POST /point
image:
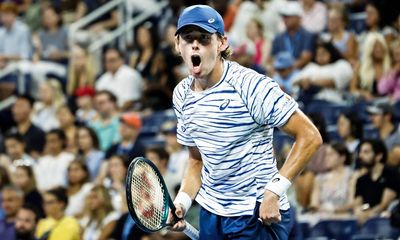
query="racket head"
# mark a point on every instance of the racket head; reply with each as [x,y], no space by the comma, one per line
[147,195]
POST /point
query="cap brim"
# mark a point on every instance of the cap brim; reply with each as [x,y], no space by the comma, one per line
[200,25]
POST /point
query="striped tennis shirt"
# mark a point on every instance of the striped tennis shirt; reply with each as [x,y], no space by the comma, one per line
[232,126]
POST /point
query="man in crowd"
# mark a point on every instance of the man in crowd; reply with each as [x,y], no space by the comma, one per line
[12,200]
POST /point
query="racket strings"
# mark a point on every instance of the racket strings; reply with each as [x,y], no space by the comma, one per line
[148,197]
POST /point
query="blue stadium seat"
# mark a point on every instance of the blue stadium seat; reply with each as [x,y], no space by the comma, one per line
[363,237]
[380,228]
[280,139]
[335,229]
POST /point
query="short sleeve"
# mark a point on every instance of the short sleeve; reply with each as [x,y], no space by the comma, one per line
[268,104]
[181,134]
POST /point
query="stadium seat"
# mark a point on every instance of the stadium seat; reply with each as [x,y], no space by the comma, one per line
[330,111]
[363,237]
[380,228]
[335,229]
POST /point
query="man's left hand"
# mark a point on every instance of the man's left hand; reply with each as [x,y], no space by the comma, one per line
[269,208]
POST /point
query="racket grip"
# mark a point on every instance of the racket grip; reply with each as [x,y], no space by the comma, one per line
[191,232]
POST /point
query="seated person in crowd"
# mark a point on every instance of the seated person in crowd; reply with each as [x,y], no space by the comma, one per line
[15,151]
[26,222]
[285,72]
[376,189]
[11,201]
[326,78]
[295,39]
[56,225]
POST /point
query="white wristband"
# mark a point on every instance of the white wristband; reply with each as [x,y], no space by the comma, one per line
[278,185]
[184,199]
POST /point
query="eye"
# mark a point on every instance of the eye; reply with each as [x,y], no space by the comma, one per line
[188,38]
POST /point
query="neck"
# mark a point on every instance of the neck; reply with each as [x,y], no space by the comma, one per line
[58,216]
[52,29]
[386,129]
[376,171]
[24,125]
[293,30]
[74,188]
[201,84]
[55,153]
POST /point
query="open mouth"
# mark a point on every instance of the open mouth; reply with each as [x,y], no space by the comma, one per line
[196,60]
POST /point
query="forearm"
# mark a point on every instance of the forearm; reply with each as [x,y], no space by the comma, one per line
[324,83]
[191,182]
[307,142]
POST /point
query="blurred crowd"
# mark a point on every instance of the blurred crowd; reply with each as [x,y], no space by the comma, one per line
[72,120]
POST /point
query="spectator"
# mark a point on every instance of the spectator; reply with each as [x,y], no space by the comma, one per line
[120,79]
[106,124]
[51,98]
[12,199]
[26,222]
[51,170]
[33,136]
[345,41]
[51,46]
[78,188]
[115,180]
[88,149]
[15,149]
[375,62]
[24,178]
[178,154]
[56,225]
[331,190]
[81,72]
[142,59]
[382,119]
[295,39]
[258,42]
[314,15]
[67,123]
[15,36]
[129,146]
[4,181]
[376,189]
[125,229]
[160,157]
[285,72]
[100,218]
[350,130]
[389,84]
[84,101]
[326,78]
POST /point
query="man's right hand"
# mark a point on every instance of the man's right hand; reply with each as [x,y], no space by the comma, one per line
[175,225]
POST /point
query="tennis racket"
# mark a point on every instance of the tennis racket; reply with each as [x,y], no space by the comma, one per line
[148,199]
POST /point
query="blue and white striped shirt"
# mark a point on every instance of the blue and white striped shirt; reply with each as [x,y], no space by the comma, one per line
[232,126]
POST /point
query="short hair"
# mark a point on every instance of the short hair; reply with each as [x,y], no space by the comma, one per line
[9,6]
[27,98]
[160,151]
[32,208]
[60,134]
[111,96]
[378,146]
[60,193]
[15,136]
[112,48]
[15,189]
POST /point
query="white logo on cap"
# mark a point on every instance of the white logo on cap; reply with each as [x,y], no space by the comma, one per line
[211,20]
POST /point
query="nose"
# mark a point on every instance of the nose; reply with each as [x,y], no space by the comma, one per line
[195,44]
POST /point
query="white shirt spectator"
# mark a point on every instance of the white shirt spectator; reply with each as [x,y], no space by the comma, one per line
[51,171]
[76,202]
[340,72]
[126,84]
[314,20]
[93,230]
[45,117]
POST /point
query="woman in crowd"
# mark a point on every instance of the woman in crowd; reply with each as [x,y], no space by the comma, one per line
[81,72]
[326,78]
[24,178]
[375,62]
[350,130]
[345,41]
[389,84]
[261,46]
[115,181]
[56,225]
[51,98]
[78,187]
[100,218]
[67,123]
[88,149]
[331,190]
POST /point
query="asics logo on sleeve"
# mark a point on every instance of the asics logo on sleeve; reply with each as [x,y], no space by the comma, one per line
[224,104]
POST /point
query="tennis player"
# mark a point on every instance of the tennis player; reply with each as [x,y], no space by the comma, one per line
[226,116]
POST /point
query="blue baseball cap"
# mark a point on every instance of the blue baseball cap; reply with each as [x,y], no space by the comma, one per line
[202,16]
[283,60]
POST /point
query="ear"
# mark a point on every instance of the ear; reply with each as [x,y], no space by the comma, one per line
[223,43]
[177,45]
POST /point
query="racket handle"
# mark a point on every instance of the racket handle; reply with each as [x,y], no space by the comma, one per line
[191,232]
